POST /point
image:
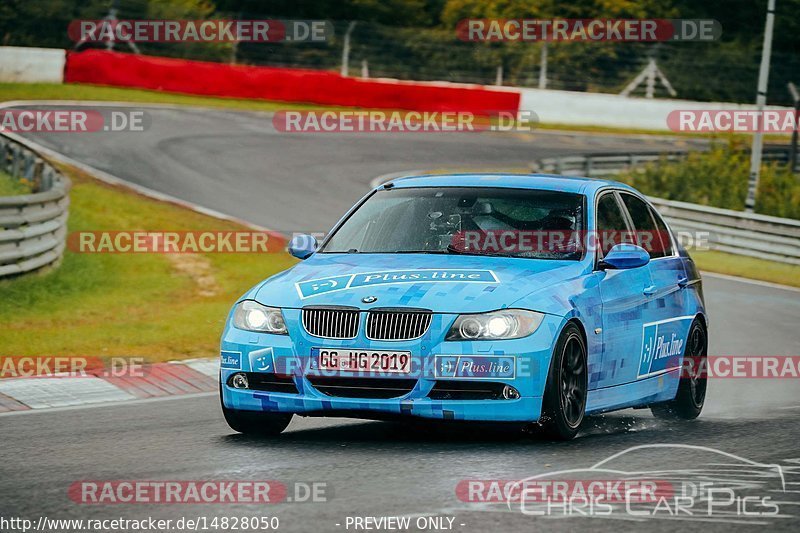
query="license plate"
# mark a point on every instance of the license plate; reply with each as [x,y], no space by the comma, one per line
[363,360]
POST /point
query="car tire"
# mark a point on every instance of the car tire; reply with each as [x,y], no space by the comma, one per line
[564,403]
[255,423]
[691,395]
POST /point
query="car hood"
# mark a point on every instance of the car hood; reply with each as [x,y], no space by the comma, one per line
[441,283]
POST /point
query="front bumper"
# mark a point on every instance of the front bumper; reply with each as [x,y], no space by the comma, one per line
[244,351]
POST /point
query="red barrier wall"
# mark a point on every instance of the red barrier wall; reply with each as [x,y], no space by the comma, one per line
[283,84]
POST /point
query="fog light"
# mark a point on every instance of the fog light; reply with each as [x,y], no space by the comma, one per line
[239,381]
[510,393]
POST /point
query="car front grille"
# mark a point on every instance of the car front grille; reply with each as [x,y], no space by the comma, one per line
[384,324]
[397,324]
[331,322]
[372,388]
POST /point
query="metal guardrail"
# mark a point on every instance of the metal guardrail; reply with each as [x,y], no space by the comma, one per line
[735,232]
[33,227]
[726,230]
[595,165]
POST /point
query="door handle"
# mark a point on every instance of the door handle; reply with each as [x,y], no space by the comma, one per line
[649,291]
[683,282]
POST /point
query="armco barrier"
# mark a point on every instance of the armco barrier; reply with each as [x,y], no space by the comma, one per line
[762,236]
[282,84]
[599,165]
[33,227]
[594,165]
[766,237]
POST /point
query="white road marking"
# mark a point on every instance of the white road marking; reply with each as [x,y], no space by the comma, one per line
[112,404]
[55,393]
[209,367]
[43,393]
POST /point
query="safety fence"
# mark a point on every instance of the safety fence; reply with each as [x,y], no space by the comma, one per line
[33,227]
[598,165]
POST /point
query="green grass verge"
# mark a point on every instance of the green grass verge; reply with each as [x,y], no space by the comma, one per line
[76,91]
[747,267]
[12,186]
[157,306]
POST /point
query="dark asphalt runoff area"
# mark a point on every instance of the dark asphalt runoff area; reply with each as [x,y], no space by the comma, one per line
[238,164]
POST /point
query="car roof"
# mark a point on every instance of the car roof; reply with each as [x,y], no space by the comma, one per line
[547,182]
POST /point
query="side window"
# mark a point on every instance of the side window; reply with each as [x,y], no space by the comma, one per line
[612,228]
[647,236]
[663,233]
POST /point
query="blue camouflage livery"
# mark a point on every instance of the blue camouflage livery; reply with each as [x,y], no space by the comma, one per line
[635,322]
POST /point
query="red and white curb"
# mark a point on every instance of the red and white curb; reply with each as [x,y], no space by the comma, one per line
[156,380]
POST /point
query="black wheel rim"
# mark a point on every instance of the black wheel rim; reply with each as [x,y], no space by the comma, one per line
[696,349]
[572,379]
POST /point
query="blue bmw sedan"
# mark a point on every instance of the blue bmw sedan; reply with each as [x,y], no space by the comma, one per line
[484,297]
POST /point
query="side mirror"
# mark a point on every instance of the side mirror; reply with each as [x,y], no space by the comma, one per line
[624,256]
[302,245]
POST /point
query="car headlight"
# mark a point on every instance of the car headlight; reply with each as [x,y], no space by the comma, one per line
[504,324]
[252,316]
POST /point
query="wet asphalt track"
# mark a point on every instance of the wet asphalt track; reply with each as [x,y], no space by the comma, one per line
[238,164]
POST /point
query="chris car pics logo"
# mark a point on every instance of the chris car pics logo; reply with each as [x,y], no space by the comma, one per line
[314,287]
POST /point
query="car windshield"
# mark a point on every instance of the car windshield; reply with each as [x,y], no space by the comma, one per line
[464,220]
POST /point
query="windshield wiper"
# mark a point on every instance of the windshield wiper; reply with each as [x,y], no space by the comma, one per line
[420,252]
